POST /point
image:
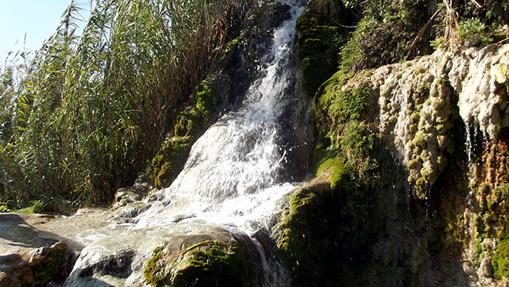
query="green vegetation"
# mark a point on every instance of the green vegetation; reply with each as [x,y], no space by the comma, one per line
[4,207]
[392,31]
[189,124]
[36,206]
[326,233]
[87,113]
[336,168]
[472,32]
[320,36]
[492,222]
[500,259]
[387,32]
[343,125]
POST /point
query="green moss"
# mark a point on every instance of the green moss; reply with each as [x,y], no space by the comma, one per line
[300,247]
[153,268]
[419,139]
[188,125]
[206,264]
[472,32]
[4,208]
[166,165]
[328,229]
[336,168]
[36,206]
[318,41]
[492,222]
[344,105]
[195,117]
[342,118]
[500,259]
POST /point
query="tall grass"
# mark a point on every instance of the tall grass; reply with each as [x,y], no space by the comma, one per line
[90,111]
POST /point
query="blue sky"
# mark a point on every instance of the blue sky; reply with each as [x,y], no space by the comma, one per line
[37,18]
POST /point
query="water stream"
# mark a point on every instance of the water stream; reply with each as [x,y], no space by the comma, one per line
[233,174]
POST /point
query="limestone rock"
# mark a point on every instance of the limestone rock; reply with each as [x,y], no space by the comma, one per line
[37,267]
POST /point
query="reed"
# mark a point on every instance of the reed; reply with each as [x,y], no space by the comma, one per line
[90,110]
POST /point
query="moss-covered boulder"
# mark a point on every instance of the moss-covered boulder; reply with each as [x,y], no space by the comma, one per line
[187,253]
[205,264]
[328,226]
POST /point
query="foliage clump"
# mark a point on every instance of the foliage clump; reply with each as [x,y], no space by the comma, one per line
[472,32]
[391,31]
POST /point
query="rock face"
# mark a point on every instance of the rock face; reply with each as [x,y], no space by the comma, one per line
[185,254]
[416,157]
[417,104]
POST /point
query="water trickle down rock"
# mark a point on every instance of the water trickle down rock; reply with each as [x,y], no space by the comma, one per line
[416,115]
[417,105]
[483,91]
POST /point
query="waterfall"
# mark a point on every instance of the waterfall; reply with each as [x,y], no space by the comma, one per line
[233,181]
[233,175]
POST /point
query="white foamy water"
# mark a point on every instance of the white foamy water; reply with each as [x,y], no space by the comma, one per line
[233,174]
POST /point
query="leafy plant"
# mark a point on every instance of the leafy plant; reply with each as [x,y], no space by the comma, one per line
[472,32]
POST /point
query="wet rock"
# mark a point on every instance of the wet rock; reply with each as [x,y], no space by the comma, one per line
[182,254]
[303,236]
[126,195]
[486,268]
[37,267]
[129,212]
[197,261]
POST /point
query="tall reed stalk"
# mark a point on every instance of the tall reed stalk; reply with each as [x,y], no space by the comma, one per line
[91,110]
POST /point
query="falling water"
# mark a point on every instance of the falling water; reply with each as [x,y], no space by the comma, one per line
[233,175]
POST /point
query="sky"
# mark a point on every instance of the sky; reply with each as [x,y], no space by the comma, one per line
[35,18]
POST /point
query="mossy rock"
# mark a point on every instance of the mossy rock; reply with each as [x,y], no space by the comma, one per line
[166,165]
[500,259]
[205,264]
[304,231]
[188,126]
[319,38]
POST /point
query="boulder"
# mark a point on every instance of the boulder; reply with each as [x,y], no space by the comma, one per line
[188,253]
[37,267]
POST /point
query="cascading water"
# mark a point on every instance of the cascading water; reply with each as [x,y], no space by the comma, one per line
[232,176]
[232,181]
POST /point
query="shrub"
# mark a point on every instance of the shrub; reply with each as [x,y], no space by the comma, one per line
[472,32]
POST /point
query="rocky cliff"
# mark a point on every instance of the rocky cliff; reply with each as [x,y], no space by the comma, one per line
[411,166]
